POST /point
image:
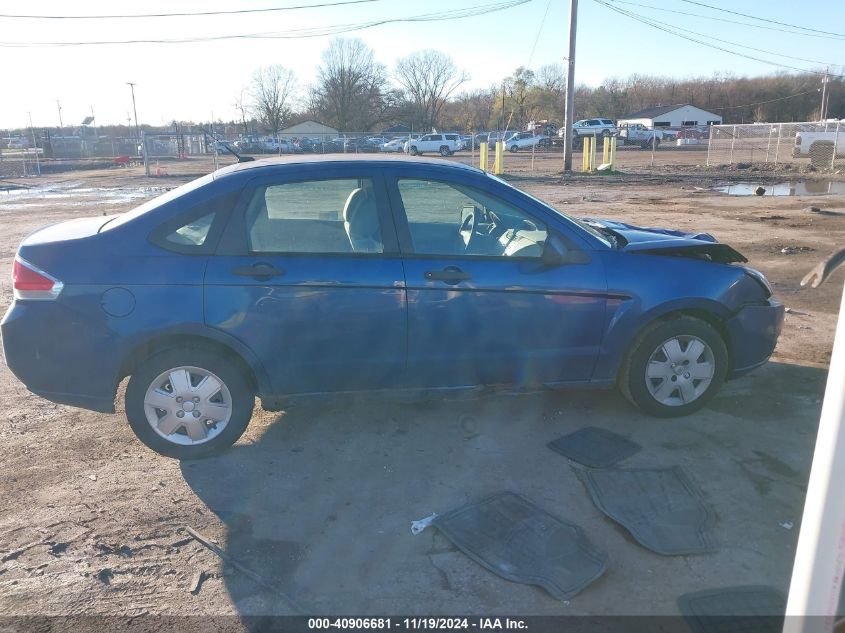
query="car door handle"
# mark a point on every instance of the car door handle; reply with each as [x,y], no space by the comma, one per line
[259,271]
[449,275]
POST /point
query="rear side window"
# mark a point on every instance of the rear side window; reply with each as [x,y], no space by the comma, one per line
[315,216]
[435,137]
[194,233]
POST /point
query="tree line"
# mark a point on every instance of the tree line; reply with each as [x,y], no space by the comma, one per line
[354,93]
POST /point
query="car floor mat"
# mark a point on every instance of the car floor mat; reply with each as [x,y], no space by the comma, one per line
[523,543]
[595,447]
[660,507]
[746,609]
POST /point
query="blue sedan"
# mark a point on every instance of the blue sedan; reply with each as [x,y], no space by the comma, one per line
[307,275]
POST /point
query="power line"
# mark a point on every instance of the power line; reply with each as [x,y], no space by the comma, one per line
[539,31]
[754,17]
[187,14]
[672,31]
[309,32]
[725,20]
[749,105]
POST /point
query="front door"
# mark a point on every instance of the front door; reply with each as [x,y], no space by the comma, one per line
[308,276]
[483,307]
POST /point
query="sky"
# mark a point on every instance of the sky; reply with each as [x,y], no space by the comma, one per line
[200,80]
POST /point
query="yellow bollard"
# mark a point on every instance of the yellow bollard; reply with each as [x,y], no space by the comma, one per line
[593,150]
[613,153]
[500,155]
[585,155]
[482,156]
[605,151]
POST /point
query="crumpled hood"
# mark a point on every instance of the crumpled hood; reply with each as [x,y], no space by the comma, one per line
[655,241]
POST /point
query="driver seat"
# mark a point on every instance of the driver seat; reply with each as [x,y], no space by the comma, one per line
[360,219]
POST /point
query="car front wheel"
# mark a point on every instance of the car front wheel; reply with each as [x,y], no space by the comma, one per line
[444,151]
[674,367]
[514,148]
[188,403]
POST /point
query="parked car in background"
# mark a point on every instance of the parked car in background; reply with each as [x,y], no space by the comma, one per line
[639,134]
[208,296]
[525,140]
[592,127]
[17,143]
[394,145]
[501,135]
[443,144]
[819,146]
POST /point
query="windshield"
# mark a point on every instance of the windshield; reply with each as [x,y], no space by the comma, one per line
[155,203]
[581,224]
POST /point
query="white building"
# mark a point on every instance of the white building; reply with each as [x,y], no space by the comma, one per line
[678,115]
[309,129]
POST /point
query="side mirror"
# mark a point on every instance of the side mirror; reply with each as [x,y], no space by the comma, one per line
[554,252]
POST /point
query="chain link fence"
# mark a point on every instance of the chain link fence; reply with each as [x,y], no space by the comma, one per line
[820,145]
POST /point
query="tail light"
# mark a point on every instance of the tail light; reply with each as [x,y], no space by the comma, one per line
[30,282]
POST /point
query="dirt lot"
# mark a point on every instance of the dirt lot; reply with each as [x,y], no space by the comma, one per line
[319,498]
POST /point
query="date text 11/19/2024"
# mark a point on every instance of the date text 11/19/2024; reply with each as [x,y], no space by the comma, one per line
[417,623]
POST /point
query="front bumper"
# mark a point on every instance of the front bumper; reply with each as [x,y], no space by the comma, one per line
[754,332]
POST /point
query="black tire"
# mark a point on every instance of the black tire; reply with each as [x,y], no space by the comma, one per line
[444,150]
[632,374]
[514,149]
[414,151]
[605,133]
[232,376]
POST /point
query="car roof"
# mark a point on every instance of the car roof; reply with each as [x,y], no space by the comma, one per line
[341,159]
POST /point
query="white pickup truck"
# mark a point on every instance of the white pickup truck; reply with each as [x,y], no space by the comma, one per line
[639,134]
[819,146]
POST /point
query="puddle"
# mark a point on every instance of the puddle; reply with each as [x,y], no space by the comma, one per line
[71,194]
[798,188]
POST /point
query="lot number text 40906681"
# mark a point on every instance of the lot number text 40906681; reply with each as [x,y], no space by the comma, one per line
[418,623]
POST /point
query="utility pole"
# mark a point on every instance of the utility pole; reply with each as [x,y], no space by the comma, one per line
[132,88]
[823,106]
[59,106]
[569,113]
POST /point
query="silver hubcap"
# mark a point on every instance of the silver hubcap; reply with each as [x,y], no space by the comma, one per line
[680,370]
[188,405]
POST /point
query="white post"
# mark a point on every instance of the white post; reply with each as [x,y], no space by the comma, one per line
[733,140]
[532,156]
[820,558]
[769,143]
[777,147]
[835,145]
[709,144]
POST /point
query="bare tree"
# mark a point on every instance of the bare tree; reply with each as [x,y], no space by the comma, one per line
[429,77]
[241,106]
[352,91]
[272,87]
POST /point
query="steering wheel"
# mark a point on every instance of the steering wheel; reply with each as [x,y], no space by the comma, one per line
[469,223]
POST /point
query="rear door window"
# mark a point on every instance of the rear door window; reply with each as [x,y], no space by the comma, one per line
[314,216]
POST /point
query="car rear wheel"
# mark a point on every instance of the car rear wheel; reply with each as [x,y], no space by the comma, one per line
[188,403]
[674,367]
[414,151]
[444,150]
[514,148]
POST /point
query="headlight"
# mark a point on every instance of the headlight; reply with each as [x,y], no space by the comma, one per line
[760,278]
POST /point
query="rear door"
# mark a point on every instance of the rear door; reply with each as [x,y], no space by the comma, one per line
[308,276]
[483,308]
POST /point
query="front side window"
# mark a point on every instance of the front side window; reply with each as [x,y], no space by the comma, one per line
[450,219]
[315,216]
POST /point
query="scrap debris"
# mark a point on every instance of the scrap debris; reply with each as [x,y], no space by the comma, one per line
[419,526]
[246,571]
